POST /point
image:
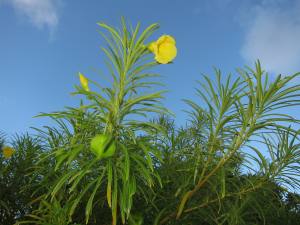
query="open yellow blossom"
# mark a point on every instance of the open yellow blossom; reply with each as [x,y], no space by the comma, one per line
[84,82]
[7,152]
[164,49]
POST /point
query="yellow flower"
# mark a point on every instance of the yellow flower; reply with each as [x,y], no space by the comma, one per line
[164,49]
[7,152]
[84,82]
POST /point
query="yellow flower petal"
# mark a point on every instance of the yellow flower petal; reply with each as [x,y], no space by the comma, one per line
[166,53]
[164,49]
[84,82]
[7,152]
[166,38]
[153,47]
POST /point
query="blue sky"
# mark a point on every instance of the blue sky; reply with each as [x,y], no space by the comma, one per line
[45,43]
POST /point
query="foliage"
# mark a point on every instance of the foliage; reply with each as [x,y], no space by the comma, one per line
[15,184]
[108,161]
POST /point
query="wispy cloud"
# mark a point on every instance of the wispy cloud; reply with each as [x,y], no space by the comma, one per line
[41,13]
[272,35]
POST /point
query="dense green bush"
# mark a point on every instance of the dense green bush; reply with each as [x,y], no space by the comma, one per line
[235,162]
[16,179]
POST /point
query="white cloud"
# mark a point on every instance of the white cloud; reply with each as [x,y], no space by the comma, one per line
[41,13]
[273,36]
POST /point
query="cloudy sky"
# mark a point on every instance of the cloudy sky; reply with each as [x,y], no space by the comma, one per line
[45,43]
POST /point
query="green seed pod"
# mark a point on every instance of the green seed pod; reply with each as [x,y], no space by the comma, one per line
[110,151]
[98,144]
[103,146]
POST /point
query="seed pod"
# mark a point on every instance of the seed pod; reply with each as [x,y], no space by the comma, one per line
[98,144]
[110,150]
[103,146]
